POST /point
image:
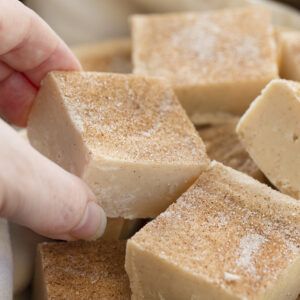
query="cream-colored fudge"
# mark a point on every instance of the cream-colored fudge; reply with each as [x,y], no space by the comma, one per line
[81,270]
[227,237]
[289,41]
[125,135]
[223,145]
[109,56]
[270,132]
[217,61]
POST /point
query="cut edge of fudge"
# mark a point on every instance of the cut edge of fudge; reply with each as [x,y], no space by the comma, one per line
[262,260]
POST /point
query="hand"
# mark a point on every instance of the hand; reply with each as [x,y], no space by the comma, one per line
[29,49]
[35,192]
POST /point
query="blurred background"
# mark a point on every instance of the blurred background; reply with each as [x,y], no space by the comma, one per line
[294,3]
[78,21]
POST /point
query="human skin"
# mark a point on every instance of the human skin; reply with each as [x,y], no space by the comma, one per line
[34,191]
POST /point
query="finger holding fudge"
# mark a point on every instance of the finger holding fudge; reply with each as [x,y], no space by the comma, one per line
[36,193]
[128,139]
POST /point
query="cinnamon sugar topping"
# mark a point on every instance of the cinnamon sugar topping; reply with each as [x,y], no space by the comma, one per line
[205,48]
[129,117]
[245,254]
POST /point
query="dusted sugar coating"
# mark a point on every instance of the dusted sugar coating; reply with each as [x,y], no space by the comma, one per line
[81,270]
[109,56]
[223,145]
[126,135]
[136,121]
[129,118]
[227,237]
[216,61]
[270,131]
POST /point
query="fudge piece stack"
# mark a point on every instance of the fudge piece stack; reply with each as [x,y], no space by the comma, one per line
[217,233]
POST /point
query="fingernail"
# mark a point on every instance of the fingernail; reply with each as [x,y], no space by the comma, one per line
[92,224]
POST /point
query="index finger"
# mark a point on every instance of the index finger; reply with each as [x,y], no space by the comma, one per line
[30,47]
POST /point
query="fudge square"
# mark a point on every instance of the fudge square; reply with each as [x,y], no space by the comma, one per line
[216,61]
[127,136]
[227,237]
[270,132]
[81,270]
[223,145]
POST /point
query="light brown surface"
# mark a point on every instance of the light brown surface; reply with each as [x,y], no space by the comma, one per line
[115,56]
[127,137]
[223,145]
[216,61]
[227,237]
[126,117]
[289,41]
[212,118]
[119,228]
[109,56]
[81,270]
[270,131]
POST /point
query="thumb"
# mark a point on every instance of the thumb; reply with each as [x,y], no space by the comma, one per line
[38,194]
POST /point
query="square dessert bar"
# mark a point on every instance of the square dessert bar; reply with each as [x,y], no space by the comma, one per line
[217,61]
[227,237]
[127,136]
[270,131]
[223,145]
[81,270]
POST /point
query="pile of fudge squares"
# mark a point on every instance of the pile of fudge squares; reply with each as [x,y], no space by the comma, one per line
[195,158]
